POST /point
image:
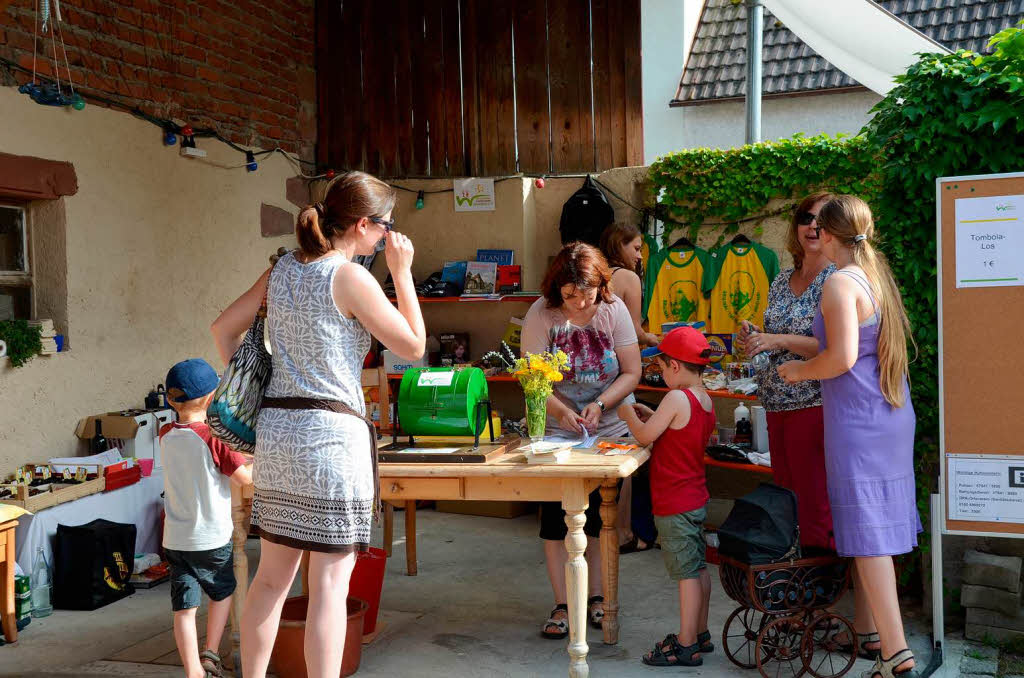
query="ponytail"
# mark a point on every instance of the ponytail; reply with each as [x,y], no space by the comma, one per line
[849,220]
[312,240]
[349,197]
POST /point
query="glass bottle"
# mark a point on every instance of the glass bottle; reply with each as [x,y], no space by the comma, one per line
[42,585]
[99,443]
[761,360]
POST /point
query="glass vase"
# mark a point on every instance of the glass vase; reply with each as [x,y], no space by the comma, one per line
[536,416]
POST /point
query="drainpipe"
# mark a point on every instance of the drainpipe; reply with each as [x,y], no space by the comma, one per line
[755,32]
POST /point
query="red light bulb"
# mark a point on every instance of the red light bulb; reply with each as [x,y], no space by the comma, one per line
[539,182]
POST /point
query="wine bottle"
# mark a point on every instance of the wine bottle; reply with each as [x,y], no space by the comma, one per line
[99,443]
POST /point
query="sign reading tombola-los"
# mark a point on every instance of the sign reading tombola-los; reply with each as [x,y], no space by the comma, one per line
[980,236]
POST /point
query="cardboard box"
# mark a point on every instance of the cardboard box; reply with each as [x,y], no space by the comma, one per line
[114,426]
[395,365]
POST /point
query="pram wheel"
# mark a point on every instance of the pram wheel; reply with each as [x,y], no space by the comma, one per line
[739,636]
[821,654]
[779,648]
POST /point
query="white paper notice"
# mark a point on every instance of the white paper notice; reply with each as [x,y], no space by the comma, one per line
[435,379]
[474,195]
[990,241]
[986,488]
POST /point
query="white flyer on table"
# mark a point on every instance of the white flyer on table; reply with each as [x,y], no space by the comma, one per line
[990,241]
[985,488]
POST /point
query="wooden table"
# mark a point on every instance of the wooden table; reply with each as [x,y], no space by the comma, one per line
[506,478]
[7,615]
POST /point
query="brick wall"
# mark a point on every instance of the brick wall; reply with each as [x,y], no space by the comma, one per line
[244,67]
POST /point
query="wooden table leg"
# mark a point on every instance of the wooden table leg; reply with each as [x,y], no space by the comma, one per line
[389,527]
[610,558]
[8,619]
[410,538]
[574,501]
[240,518]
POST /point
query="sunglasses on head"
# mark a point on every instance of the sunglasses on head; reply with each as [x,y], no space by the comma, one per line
[387,225]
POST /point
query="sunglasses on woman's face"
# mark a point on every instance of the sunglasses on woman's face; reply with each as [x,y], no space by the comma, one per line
[805,218]
[387,224]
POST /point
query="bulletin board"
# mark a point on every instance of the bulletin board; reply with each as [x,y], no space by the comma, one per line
[980,238]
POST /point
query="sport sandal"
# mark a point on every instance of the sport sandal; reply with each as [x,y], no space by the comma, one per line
[595,611]
[562,624]
[704,640]
[884,668]
[670,653]
[863,651]
[211,663]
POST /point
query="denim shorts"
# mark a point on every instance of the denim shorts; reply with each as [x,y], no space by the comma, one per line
[682,543]
[195,571]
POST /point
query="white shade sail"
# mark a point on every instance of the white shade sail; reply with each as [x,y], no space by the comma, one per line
[858,37]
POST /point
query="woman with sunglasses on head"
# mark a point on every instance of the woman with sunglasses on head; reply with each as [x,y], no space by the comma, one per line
[862,330]
[315,472]
[796,435]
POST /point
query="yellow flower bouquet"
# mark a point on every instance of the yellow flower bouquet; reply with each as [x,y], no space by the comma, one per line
[536,372]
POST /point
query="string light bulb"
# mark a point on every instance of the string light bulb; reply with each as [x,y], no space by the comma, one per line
[419,200]
[187,131]
[170,138]
[329,174]
[78,103]
[539,182]
[250,162]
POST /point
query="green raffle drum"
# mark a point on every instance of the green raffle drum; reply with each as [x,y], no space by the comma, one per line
[442,401]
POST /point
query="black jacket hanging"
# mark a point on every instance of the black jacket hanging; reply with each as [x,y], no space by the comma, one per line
[585,215]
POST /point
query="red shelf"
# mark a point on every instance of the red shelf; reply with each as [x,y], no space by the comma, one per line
[642,387]
[508,298]
[751,468]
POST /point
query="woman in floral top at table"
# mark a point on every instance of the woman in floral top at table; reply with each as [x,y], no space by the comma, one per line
[796,433]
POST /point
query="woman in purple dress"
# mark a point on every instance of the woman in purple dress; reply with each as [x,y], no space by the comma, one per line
[862,329]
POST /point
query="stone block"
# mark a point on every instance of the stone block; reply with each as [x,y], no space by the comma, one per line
[983,617]
[990,598]
[979,667]
[275,221]
[983,651]
[986,569]
[995,634]
[296,190]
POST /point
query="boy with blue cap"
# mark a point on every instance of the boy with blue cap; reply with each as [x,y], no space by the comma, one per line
[198,472]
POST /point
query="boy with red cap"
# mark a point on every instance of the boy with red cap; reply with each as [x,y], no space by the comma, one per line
[680,429]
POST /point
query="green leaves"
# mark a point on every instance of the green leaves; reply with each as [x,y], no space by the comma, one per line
[729,187]
[22,339]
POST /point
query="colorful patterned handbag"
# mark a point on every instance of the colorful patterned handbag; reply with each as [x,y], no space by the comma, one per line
[236,403]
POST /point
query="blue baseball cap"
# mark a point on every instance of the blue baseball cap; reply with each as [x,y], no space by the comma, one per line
[194,377]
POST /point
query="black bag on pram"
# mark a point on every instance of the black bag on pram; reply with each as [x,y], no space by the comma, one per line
[762,527]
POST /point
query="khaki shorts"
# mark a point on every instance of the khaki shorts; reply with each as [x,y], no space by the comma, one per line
[682,543]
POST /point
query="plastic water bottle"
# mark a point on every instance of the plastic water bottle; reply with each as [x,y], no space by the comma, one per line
[41,586]
[761,360]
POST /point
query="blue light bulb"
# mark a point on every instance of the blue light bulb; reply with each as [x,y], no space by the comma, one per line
[170,139]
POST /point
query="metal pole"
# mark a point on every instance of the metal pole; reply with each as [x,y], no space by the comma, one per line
[755,30]
[938,621]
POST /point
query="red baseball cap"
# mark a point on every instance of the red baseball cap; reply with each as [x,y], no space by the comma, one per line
[682,343]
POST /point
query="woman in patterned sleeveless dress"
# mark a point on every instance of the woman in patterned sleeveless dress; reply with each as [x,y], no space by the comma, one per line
[862,329]
[315,485]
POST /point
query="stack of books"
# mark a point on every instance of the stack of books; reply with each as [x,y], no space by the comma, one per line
[47,336]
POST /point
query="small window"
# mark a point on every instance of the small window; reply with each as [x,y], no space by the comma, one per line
[13,240]
[15,275]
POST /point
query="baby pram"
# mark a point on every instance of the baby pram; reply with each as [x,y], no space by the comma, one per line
[783,625]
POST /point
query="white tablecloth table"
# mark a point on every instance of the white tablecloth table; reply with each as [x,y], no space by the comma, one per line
[140,504]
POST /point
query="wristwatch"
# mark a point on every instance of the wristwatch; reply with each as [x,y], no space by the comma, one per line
[599,404]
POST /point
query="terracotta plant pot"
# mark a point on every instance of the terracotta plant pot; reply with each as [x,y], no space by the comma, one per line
[287,658]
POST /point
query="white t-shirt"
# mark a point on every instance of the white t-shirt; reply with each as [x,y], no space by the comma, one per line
[197,487]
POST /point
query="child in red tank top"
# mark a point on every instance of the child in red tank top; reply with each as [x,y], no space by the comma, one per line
[679,431]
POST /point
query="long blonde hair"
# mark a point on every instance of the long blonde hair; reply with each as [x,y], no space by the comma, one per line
[847,218]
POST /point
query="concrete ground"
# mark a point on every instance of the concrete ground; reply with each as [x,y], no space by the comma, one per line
[475,609]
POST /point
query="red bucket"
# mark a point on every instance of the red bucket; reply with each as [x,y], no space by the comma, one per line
[367,583]
[288,656]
